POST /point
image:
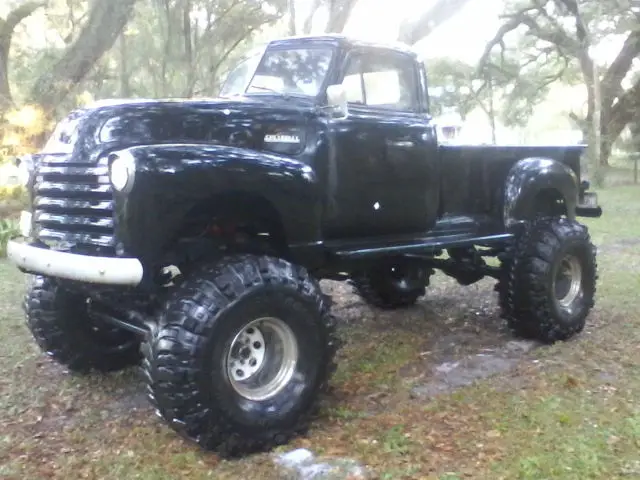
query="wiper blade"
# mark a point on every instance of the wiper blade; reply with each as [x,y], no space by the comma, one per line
[269,89]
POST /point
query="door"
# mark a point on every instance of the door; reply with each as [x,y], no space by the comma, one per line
[385,158]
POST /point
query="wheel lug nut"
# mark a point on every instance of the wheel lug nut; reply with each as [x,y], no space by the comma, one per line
[239,373]
[257,345]
[253,362]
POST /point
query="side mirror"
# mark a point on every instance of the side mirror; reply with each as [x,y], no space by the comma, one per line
[337,98]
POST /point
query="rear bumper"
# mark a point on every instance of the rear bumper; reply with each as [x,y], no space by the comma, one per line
[82,268]
[588,203]
[593,212]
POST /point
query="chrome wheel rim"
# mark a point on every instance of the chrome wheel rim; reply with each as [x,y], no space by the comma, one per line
[568,281]
[262,359]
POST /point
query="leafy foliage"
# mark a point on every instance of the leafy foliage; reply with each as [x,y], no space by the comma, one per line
[170,48]
[452,85]
[545,41]
[9,229]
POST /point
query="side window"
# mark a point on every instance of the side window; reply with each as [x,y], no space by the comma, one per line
[353,81]
[382,80]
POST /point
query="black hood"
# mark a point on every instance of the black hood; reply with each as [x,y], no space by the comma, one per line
[238,121]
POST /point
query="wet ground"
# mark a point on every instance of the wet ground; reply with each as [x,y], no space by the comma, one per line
[450,339]
[462,335]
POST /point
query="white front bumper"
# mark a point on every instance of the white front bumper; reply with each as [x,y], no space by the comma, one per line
[82,268]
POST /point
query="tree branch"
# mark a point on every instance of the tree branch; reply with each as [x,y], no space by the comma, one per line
[557,37]
[214,69]
[623,111]
[105,23]
[514,21]
[18,14]
[7,27]
[412,32]
[611,83]
[581,28]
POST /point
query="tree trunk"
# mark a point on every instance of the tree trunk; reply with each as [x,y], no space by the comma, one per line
[188,48]
[308,23]
[339,13]
[617,117]
[292,18]
[492,113]
[598,137]
[6,99]
[125,86]
[106,19]
[164,61]
[7,27]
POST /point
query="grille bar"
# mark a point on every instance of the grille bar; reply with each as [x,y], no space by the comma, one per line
[64,220]
[73,206]
[63,189]
[60,204]
[64,171]
[81,240]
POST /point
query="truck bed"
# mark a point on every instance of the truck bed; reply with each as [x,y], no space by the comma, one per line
[473,176]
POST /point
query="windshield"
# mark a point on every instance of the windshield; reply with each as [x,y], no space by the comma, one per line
[293,71]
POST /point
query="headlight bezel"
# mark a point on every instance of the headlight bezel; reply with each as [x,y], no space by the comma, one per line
[122,171]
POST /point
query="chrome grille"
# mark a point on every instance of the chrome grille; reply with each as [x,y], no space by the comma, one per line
[73,206]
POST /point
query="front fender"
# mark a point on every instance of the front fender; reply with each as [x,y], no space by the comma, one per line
[171,179]
[530,176]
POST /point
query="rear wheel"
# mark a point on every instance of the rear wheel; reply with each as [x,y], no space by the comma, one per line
[59,321]
[392,284]
[241,355]
[549,280]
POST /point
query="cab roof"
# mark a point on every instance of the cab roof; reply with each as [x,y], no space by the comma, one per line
[343,41]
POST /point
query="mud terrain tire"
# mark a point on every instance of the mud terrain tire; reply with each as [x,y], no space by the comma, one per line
[391,286]
[191,360]
[549,280]
[59,321]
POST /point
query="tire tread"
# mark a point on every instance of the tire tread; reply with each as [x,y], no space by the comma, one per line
[523,292]
[189,317]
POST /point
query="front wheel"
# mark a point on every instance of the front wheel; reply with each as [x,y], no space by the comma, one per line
[60,322]
[241,355]
[549,280]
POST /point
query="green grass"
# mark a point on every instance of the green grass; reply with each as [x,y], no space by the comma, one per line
[569,413]
[9,229]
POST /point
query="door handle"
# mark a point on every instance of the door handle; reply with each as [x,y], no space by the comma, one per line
[401,143]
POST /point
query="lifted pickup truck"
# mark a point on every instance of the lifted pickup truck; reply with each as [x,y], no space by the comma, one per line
[190,236]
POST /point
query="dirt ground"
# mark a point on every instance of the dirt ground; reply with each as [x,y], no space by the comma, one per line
[441,390]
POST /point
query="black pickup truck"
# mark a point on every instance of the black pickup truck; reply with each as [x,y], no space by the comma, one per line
[190,236]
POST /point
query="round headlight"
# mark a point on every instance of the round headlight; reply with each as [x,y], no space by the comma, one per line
[122,172]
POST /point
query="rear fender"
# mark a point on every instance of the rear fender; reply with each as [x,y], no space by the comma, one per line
[171,179]
[531,176]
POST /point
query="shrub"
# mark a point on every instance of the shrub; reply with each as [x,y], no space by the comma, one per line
[12,192]
[13,198]
[9,228]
